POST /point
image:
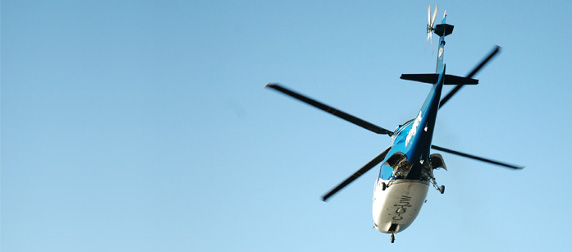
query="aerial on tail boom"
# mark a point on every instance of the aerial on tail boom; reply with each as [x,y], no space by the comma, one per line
[407,165]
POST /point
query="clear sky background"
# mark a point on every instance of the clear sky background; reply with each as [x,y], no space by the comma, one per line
[144,125]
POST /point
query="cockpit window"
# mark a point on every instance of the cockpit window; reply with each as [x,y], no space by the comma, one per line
[386,172]
[403,126]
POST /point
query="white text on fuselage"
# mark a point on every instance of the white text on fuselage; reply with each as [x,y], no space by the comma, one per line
[413,129]
[404,203]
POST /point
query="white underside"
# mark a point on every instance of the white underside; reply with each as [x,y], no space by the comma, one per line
[398,205]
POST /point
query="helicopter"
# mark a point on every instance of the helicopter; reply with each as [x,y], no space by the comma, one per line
[407,170]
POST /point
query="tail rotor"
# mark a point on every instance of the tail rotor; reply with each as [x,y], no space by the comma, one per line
[430,25]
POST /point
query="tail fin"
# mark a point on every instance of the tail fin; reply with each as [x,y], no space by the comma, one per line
[432,79]
[444,29]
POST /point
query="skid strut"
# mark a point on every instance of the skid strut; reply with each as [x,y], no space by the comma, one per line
[441,188]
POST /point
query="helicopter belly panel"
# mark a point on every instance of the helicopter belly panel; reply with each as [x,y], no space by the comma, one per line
[396,207]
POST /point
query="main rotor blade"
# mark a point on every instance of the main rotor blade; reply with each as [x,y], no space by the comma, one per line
[470,75]
[331,110]
[357,174]
[477,158]
[449,95]
[485,61]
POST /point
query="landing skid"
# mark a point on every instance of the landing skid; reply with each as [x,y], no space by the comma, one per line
[392,237]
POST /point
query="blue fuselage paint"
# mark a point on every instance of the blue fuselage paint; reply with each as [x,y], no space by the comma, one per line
[414,137]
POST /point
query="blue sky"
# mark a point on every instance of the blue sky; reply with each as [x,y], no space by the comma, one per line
[144,125]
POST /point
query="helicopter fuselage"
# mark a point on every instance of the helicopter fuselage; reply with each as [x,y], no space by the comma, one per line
[396,207]
[406,172]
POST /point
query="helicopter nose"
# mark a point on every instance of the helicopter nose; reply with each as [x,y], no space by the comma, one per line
[396,207]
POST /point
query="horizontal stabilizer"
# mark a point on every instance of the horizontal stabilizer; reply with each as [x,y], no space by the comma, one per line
[432,79]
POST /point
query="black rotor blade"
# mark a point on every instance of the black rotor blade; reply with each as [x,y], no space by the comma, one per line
[331,110]
[470,75]
[477,158]
[449,95]
[357,174]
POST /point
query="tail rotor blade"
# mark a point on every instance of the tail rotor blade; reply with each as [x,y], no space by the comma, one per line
[357,174]
[357,121]
[434,15]
[477,158]
[429,14]
[429,36]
